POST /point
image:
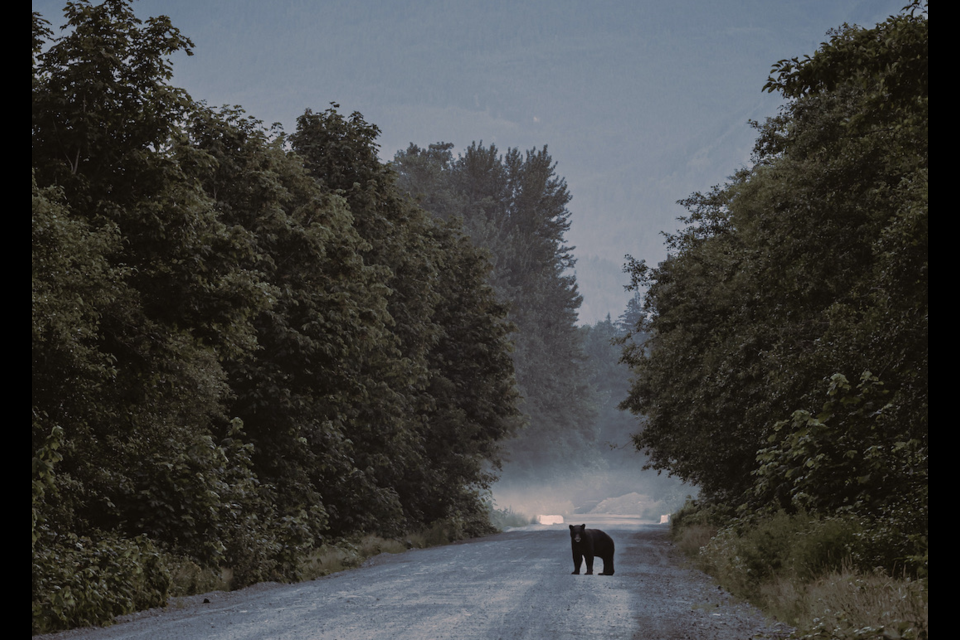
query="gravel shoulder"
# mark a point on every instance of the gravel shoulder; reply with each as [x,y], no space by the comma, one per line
[516,584]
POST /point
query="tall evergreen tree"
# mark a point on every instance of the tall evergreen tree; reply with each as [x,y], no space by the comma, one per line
[514,206]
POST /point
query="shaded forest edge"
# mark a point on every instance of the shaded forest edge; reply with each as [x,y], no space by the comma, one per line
[785,371]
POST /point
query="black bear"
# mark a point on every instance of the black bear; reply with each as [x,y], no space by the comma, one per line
[588,543]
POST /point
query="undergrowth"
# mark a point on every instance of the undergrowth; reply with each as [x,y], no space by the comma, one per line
[83,582]
[87,581]
[811,572]
[502,518]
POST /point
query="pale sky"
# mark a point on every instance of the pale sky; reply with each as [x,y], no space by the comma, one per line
[640,102]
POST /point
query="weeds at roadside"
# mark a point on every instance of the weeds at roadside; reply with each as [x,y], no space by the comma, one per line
[348,554]
[797,569]
[164,579]
[187,578]
[503,518]
[692,538]
[850,604]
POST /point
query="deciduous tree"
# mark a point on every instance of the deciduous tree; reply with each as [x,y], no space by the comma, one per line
[806,269]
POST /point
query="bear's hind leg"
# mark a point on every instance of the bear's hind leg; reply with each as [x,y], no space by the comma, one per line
[607,566]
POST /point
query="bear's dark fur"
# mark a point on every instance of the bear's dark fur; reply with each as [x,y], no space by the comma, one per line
[590,543]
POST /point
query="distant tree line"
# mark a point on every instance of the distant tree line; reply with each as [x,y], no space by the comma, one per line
[787,360]
[576,443]
[513,207]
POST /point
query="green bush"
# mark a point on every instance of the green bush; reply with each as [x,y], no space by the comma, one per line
[78,581]
[823,545]
[743,555]
[696,512]
[501,518]
[814,573]
[692,527]
[894,541]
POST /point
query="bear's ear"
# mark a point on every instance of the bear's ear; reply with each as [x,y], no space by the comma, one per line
[571,527]
[583,526]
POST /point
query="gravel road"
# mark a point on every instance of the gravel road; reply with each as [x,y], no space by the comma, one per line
[512,585]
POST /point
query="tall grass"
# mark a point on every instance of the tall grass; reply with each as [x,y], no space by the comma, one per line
[849,604]
[346,554]
[352,552]
[799,569]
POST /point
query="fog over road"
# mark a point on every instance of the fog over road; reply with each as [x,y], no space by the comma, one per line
[512,585]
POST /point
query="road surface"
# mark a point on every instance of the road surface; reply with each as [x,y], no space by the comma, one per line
[513,585]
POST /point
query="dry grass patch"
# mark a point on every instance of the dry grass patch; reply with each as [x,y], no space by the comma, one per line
[857,606]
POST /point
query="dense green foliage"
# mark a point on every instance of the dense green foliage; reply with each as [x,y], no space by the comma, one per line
[244,343]
[787,365]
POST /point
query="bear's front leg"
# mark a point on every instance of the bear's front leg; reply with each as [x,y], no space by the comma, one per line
[577,560]
[589,565]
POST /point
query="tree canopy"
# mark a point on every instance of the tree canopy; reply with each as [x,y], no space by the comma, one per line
[788,352]
[244,343]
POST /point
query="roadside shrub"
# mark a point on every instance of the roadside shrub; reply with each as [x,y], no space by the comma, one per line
[328,559]
[371,545]
[746,553]
[813,573]
[501,518]
[892,541]
[476,521]
[252,555]
[79,581]
[693,537]
[693,527]
[345,554]
[823,545]
[442,532]
[696,512]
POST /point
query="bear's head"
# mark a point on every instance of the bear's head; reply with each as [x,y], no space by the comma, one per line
[577,532]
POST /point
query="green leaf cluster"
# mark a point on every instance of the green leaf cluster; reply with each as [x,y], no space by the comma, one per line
[244,342]
[86,581]
[806,270]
